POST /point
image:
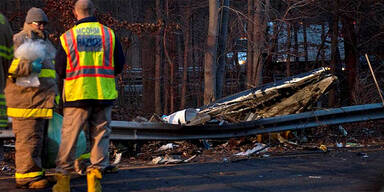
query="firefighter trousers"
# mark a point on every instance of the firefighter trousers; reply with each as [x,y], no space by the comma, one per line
[29,135]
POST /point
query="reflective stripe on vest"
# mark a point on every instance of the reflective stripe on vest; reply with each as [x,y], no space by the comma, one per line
[26,113]
[90,65]
[3,112]
[6,52]
[29,175]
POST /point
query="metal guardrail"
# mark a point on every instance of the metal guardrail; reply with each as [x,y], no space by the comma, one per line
[128,130]
[160,131]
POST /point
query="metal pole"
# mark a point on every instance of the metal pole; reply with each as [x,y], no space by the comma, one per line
[374,78]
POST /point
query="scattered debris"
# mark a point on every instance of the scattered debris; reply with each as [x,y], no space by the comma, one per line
[349,144]
[259,148]
[266,155]
[117,158]
[303,139]
[314,177]
[343,131]
[167,146]
[181,117]
[323,148]
[362,155]
[190,159]
[5,168]
[206,144]
[9,145]
[167,159]
[140,119]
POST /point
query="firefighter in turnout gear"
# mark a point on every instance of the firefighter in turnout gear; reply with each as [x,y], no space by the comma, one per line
[6,55]
[30,106]
[89,58]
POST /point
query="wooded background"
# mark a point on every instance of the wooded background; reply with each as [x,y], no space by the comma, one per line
[182,53]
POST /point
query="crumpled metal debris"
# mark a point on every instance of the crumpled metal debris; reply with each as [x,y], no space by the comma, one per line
[117,158]
[167,146]
[171,159]
[342,130]
[314,177]
[259,148]
[5,168]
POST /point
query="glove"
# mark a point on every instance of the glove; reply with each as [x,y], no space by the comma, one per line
[36,65]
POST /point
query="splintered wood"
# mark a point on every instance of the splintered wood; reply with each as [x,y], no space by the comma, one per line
[289,96]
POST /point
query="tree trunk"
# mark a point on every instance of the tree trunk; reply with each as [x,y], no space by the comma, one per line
[148,60]
[250,43]
[220,74]
[210,54]
[168,71]
[350,57]
[323,37]
[272,50]
[288,62]
[187,45]
[158,108]
[259,39]
[321,51]
[334,53]
[307,67]
[296,43]
[177,79]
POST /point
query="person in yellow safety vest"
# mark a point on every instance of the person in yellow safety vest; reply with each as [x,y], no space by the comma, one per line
[89,58]
[31,107]
[6,55]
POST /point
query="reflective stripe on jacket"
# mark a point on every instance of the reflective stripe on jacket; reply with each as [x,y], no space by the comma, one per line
[6,52]
[28,175]
[90,62]
[44,73]
[3,112]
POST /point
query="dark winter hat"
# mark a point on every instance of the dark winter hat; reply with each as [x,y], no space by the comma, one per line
[36,14]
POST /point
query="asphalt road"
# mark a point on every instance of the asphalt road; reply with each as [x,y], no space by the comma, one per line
[333,171]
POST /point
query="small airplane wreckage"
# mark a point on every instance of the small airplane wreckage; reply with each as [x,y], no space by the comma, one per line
[289,96]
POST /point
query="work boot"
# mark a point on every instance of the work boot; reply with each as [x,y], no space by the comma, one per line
[62,184]
[93,180]
[36,184]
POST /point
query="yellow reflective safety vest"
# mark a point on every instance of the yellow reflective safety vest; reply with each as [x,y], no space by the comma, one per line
[90,62]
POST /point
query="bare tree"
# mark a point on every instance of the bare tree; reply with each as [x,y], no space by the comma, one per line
[210,54]
[187,44]
[224,19]
[158,108]
[257,42]
[334,23]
